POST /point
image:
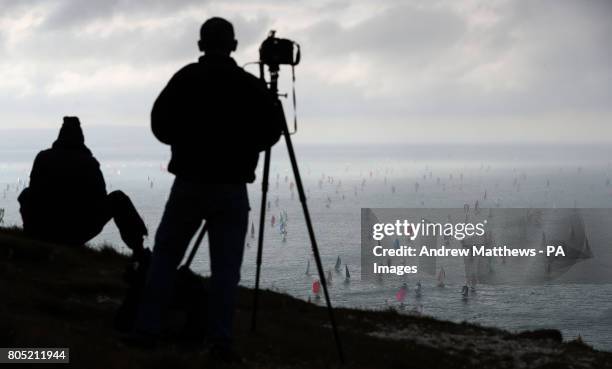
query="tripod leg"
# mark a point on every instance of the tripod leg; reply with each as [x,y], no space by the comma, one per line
[260,235]
[196,245]
[313,241]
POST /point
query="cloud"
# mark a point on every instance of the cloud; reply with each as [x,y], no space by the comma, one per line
[523,58]
[77,13]
[387,61]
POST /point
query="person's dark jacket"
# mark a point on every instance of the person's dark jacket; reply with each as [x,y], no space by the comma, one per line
[66,186]
[217,118]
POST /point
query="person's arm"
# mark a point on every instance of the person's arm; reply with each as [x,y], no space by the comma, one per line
[98,184]
[161,115]
[169,108]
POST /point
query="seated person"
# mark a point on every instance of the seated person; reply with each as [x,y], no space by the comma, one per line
[66,201]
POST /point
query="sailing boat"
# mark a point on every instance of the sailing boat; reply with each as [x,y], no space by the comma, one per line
[316,289]
[400,296]
[565,227]
[419,289]
[283,230]
[478,269]
[441,277]
[252,230]
[338,265]
[347,275]
[308,268]
[473,284]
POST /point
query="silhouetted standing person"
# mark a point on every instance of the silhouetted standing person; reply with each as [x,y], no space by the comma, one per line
[216,118]
[66,201]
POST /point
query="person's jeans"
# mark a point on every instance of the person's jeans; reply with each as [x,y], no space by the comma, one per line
[225,208]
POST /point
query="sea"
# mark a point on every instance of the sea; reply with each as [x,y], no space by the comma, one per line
[342,179]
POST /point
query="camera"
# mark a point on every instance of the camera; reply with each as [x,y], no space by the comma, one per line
[279,51]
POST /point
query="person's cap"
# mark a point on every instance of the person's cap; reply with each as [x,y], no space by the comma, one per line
[71,130]
[72,121]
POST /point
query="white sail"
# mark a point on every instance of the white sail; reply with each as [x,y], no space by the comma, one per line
[441,277]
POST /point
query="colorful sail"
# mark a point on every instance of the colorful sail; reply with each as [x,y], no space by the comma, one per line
[400,296]
[316,287]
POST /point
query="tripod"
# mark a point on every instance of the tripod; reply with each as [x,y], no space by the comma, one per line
[273,86]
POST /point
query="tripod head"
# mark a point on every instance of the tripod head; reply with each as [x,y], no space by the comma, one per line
[275,52]
[273,70]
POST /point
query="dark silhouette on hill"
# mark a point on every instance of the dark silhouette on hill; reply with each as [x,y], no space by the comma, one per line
[66,200]
[217,118]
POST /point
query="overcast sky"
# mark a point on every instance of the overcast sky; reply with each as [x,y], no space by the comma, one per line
[384,70]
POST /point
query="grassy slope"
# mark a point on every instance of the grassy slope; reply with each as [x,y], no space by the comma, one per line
[54,296]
